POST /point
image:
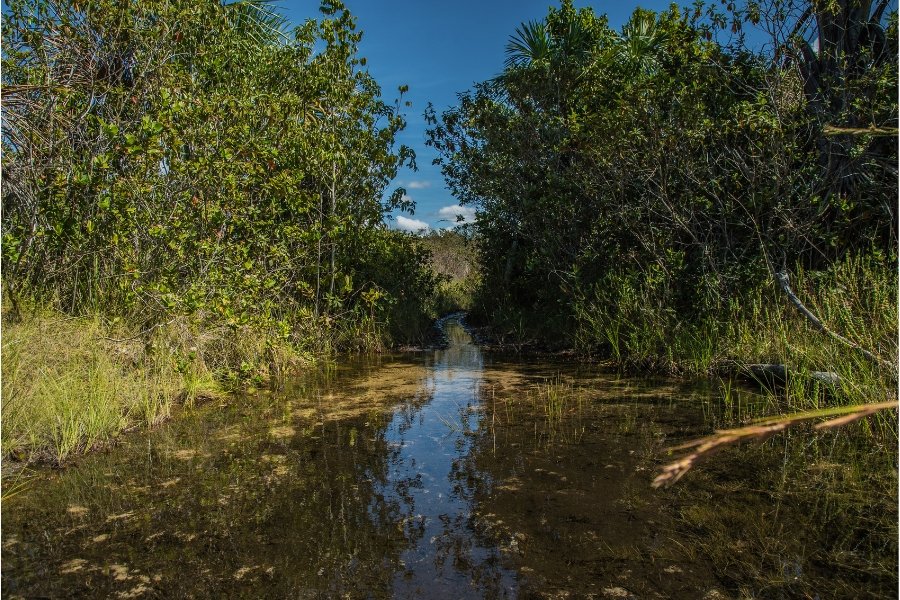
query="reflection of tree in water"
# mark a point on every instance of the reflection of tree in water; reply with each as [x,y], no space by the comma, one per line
[574,514]
[473,550]
[436,497]
[443,557]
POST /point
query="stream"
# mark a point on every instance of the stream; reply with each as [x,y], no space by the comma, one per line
[449,473]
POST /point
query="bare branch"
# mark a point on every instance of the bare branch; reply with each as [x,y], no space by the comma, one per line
[784,283]
[706,447]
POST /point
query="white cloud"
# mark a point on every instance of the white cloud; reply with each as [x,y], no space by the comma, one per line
[418,185]
[413,225]
[450,213]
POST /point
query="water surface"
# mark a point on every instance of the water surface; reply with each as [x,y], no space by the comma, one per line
[444,474]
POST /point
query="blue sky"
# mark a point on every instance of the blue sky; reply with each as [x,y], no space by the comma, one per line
[439,49]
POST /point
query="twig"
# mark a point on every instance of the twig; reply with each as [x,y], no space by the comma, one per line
[784,282]
[873,131]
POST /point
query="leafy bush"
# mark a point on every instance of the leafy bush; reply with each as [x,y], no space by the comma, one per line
[182,158]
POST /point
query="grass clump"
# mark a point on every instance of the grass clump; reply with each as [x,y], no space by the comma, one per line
[557,408]
[74,383]
[635,325]
[67,386]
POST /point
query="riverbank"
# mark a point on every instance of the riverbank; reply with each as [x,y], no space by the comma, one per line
[73,384]
[150,253]
[853,361]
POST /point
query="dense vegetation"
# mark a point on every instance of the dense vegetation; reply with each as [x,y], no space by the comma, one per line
[454,262]
[637,190]
[205,189]
[188,158]
[192,193]
[638,194]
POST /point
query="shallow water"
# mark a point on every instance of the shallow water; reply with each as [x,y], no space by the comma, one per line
[445,474]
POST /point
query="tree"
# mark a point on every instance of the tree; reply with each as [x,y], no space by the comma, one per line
[845,56]
[650,178]
[190,158]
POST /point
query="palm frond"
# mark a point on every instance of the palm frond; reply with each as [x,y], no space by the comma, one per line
[641,41]
[259,20]
[530,44]
[577,42]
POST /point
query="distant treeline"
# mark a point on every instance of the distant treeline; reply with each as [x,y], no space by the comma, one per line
[639,188]
[166,158]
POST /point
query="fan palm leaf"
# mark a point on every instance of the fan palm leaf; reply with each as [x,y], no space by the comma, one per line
[642,41]
[257,21]
[529,45]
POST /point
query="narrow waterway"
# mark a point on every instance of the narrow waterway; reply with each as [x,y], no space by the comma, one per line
[443,474]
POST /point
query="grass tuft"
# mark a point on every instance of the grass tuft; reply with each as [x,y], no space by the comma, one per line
[74,383]
[67,388]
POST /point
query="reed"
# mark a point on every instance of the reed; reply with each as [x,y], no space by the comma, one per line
[637,327]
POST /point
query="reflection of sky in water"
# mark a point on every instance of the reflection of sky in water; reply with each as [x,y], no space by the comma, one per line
[436,475]
[444,556]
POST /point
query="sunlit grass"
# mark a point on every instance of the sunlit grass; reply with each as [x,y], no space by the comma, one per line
[548,407]
[71,384]
[74,383]
[856,298]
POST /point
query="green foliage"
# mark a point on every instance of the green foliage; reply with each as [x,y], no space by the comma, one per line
[184,158]
[68,385]
[635,188]
[453,261]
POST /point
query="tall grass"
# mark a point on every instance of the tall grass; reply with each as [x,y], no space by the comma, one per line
[856,297]
[635,325]
[560,407]
[73,383]
[66,388]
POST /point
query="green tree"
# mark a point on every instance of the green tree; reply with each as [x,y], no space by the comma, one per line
[166,158]
[652,177]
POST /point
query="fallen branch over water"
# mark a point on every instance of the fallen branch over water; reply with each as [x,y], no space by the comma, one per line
[872,131]
[706,447]
[769,374]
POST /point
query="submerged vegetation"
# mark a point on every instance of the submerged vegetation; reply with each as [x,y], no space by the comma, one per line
[780,518]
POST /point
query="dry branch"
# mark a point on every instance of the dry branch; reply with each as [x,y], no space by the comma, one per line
[705,447]
[830,130]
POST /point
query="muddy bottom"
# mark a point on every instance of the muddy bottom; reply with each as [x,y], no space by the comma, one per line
[447,474]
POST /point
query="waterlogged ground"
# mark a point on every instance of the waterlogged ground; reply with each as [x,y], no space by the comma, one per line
[445,474]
